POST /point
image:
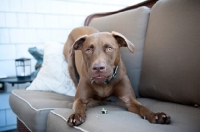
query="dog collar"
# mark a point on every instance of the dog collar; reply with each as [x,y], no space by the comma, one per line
[113,76]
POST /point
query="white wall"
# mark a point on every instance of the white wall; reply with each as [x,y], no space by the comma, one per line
[29,23]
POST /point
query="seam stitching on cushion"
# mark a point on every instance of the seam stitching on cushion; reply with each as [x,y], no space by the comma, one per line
[30,104]
[59,115]
[79,128]
[24,124]
[24,100]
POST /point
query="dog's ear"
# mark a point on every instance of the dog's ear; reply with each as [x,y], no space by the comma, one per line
[123,41]
[78,44]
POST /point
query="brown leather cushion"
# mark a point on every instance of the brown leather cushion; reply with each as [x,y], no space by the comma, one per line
[171,63]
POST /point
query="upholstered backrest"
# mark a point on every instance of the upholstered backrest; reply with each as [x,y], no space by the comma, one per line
[171,63]
[132,24]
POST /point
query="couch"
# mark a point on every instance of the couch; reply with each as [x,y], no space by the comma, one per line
[164,71]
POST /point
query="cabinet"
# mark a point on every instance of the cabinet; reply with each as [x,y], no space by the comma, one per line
[8,119]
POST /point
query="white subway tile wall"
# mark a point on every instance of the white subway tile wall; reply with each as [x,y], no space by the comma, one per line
[32,23]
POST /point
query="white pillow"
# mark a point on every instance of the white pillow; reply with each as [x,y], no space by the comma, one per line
[54,74]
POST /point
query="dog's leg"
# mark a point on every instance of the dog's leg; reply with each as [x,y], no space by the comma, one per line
[135,107]
[79,108]
[79,115]
[82,98]
[126,94]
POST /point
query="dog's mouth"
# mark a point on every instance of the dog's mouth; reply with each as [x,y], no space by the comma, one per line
[99,78]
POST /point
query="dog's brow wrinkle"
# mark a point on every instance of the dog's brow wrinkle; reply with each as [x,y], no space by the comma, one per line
[91,46]
[108,45]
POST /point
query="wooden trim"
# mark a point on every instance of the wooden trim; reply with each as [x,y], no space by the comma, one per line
[21,127]
[148,3]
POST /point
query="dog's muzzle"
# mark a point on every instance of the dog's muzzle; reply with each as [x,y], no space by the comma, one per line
[109,79]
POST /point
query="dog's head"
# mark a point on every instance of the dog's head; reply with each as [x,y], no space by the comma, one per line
[101,53]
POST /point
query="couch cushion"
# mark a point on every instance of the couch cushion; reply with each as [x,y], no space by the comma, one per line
[33,107]
[171,60]
[132,24]
[184,119]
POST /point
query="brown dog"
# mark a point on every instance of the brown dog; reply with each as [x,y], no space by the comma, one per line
[102,73]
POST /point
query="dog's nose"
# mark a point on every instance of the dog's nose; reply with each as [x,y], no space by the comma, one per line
[98,67]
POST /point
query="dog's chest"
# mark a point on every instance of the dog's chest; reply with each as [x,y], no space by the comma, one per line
[103,92]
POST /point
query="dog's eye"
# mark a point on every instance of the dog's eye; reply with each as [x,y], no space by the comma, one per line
[109,49]
[88,51]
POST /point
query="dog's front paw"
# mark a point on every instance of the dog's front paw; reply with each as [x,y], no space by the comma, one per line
[160,118]
[76,119]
